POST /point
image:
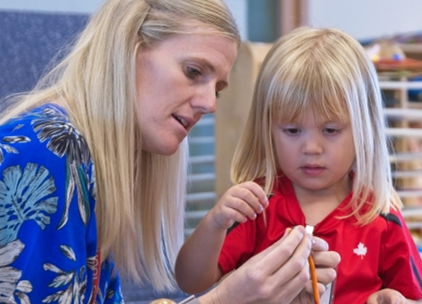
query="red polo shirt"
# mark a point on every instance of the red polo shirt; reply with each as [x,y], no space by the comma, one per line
[379,255]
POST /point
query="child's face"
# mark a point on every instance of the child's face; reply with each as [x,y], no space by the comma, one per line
[315,154]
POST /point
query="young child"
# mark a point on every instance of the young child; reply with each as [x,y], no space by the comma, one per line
[315,142]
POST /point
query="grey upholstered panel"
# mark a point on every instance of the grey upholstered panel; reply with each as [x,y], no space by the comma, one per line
[28,43]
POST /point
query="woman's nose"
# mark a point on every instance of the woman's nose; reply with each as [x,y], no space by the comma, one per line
[206,100]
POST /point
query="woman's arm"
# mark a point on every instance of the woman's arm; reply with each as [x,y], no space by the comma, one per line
[197,262]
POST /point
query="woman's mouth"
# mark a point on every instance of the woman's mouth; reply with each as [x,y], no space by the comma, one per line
[182,121]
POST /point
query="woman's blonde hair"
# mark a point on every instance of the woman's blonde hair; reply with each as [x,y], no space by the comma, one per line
[140,196]
[328,71]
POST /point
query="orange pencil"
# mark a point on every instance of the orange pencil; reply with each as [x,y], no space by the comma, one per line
[310,230]
[314,279]
[312,270]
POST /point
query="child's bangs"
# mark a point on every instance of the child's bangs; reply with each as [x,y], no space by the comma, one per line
[292,100]
[330,103]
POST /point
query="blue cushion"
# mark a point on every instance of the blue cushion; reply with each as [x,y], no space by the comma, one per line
[28,43]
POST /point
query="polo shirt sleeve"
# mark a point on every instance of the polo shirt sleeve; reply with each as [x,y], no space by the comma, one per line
[401,265]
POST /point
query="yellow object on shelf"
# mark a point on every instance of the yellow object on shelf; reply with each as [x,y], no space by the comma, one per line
[163,301]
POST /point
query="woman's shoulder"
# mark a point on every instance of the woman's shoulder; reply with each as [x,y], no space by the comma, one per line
[41,150]
[44,142]
[32,124]
[50,111]
[47,130]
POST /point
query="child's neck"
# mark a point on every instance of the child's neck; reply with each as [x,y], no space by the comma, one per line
[318,209]
[316,205]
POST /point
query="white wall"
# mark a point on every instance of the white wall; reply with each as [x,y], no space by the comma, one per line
[364,19]
[368,19]
[238,8]
[71,6]
[240,13]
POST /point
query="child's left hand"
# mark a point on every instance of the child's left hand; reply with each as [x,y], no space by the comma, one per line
[387,296]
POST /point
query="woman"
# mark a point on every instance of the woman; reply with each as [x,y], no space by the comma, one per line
[106,185]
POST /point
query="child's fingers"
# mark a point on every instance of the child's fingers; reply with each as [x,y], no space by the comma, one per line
[240,202]
[387,296]
[260,197]
[231,209]
[240,209]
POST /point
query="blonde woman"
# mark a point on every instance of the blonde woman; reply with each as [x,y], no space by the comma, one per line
[315,141]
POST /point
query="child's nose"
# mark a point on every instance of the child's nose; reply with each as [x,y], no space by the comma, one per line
[312,144]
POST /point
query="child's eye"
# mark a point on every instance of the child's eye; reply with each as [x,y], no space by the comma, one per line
[331,130]
[292,131]
[192,72]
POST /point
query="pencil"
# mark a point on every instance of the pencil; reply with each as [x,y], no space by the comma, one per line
[314,279]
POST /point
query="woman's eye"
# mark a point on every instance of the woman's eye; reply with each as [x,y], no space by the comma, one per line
[193,73]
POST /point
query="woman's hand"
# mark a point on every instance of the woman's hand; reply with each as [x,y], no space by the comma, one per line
[276,275]
[325,262]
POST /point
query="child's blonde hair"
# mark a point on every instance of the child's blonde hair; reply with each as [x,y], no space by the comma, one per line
[328,71]
[140,196]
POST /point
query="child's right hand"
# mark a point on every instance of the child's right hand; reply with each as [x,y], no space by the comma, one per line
[239,203]
[387,296]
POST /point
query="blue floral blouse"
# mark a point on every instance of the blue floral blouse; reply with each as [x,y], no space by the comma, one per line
[48,237]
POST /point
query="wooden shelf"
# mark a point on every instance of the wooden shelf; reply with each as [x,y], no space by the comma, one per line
[405,131]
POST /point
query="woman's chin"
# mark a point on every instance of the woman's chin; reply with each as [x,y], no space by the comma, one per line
[166,149]
[169,152]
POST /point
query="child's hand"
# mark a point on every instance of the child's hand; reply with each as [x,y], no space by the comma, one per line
[387,296]
[239,203]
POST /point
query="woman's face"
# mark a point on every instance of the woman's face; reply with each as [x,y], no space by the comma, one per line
[177,82]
